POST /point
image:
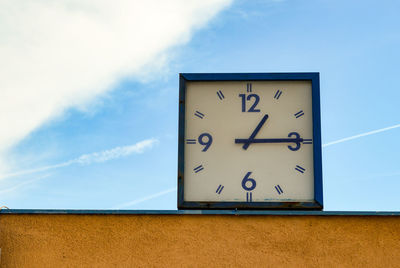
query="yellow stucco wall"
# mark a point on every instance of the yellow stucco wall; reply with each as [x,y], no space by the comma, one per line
[198,241]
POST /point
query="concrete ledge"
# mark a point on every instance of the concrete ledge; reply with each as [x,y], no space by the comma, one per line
[178,239]
[198,212]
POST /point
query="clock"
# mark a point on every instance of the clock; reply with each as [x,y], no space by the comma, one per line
[249,141]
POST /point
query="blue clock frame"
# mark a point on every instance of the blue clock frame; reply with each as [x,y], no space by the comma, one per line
[316,204]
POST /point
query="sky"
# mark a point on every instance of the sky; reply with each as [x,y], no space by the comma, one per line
[89,93]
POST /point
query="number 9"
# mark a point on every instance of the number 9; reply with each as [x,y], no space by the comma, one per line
[207,142]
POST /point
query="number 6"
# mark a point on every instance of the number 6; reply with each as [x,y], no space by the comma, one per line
[246,179]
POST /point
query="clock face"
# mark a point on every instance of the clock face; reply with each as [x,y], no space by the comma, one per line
[248,142]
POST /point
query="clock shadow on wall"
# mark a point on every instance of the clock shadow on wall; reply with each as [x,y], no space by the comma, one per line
[249,141]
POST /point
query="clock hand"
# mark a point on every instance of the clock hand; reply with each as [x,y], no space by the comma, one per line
[297,140]
[285,140]
[256,130]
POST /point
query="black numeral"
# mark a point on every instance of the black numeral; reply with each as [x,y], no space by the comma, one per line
[247,99]
[206,140]
[247,180]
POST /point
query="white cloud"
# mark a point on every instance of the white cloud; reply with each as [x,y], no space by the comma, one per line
[115,152]
[86,159]
[61,54]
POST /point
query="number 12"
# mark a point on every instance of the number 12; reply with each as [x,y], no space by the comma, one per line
[248,98]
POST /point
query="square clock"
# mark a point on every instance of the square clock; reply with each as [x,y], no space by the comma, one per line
[249,141]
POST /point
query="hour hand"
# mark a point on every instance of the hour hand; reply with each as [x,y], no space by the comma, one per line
[256,130]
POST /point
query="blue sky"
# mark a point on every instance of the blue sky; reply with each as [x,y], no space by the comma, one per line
[353,44]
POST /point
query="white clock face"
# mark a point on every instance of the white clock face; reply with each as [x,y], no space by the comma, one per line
[248,141]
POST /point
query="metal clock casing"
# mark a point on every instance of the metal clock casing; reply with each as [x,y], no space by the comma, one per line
[249,141]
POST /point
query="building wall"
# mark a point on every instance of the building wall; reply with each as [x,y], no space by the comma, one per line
[198,241]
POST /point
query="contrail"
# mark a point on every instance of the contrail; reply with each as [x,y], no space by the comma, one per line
[35,170]
[137,201]
[360,135]
[139,148]
[96,157]
[12,189]
[324,145]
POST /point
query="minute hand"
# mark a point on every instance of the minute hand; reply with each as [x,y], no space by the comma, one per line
[284,140]
[297,140]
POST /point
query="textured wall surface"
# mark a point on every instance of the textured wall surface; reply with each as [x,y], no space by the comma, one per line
[198,241]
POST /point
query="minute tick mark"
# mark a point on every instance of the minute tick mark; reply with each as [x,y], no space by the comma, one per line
[190,141]
[300,169]
[219,189]
[249,197]
[249,87]
[278,189]
[198,169]
[199,115]
[278,94]
[220,95]
[298,114]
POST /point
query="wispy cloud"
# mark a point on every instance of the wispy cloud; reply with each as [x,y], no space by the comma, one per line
[146,198]
[360,135]
[96,157]
[115,153]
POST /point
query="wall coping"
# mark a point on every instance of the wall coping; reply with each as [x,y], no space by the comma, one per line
[196,212]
